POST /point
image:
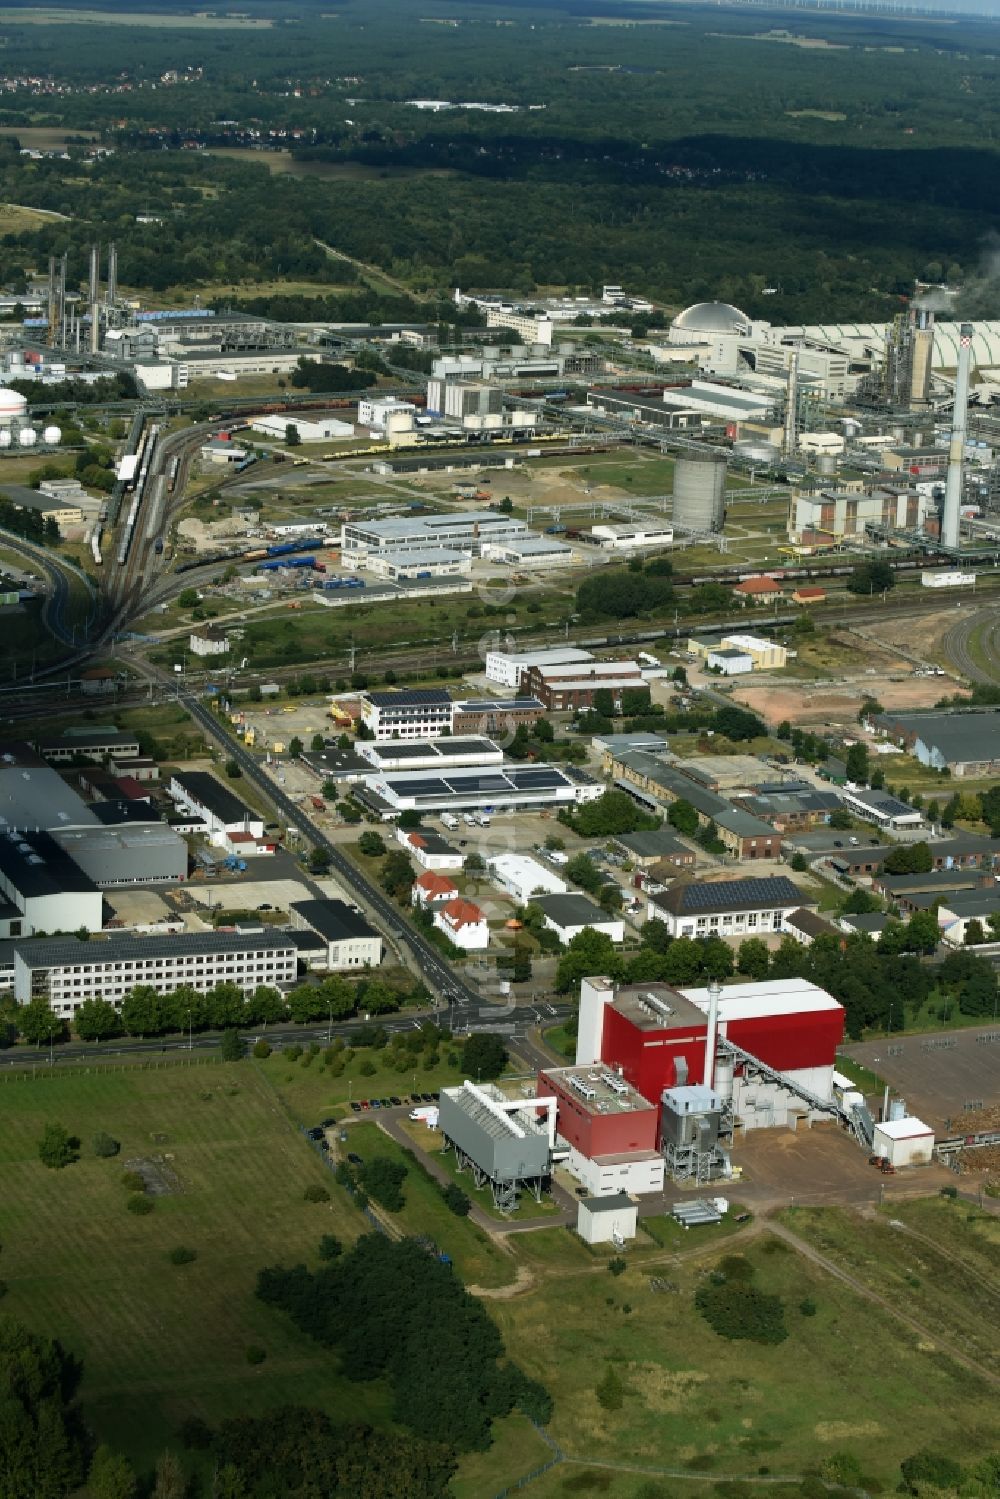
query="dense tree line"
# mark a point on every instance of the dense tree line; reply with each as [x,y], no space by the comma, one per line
[384,1307]
[871,979]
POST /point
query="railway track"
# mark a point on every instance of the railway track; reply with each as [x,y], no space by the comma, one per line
[957,648]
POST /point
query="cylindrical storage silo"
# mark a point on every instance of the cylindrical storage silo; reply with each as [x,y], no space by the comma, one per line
[826,463]
[700,491]
[723,1083]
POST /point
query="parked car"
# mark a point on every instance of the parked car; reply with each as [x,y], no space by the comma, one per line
[329,1123]
[356,1107]
[582,1191]
[315,1134]
[416,1098]
[354,1159]
[375,1104]
[395,1101]
[427,1098]
[386,1103]
[364,1104]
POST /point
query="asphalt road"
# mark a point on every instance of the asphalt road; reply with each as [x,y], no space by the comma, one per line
[482,1016]
[434,969]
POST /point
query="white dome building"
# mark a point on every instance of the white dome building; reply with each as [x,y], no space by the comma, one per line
[707,320]
[13,406]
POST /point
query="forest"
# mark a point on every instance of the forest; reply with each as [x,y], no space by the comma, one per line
[706,154]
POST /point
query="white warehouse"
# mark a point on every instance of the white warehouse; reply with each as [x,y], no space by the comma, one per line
[523,878]
[315,429]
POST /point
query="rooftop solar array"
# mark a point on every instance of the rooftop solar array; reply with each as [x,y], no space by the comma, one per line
[751,893]
[473,781]
[412,697]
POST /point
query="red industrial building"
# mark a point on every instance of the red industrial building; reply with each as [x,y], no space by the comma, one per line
[600,1113]
[654,1037]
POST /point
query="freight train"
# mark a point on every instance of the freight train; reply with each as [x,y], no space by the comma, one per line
[809,570]
[144,454]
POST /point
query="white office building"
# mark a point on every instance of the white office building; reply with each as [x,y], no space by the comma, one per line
[508,668]
[66,971]
[411,714]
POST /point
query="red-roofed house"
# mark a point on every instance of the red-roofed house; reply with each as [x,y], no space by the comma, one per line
[757,590]
[464,924]
[131,789]
[808,595]
[430,850]
[431,888]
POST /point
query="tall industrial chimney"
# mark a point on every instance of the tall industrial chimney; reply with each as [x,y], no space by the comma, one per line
[112,295]
[791,408]
[956,451]
[714,994]
[94,291]
[51,330]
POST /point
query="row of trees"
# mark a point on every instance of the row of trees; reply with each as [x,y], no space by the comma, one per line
[144,1012]
[872,980]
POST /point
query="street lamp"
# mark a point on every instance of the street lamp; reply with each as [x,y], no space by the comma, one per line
[190,1040]
[329,1026]
[51,1056]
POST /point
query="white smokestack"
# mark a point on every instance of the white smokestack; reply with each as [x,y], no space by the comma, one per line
[714,993]
[956,450]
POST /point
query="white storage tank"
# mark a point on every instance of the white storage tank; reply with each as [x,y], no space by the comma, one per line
[52,435]
[27,437]
[12,406]
[700,491]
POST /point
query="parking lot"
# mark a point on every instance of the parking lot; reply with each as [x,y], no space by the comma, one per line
[938,1075]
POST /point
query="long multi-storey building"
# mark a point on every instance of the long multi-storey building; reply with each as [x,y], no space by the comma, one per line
[66,971]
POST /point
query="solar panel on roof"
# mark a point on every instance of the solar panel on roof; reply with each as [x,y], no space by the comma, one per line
[426,786]
[543,777]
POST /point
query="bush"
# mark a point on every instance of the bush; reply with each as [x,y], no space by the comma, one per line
[456,1200]
[315,1193]
[330,1248]
[103,1145]
[617,1266]
[255,1354]
[231,1048]
[737,1310]
[292,1053]
[383,1179]
[132,1181]
[195,1433]
[57,1147]
[3,1289]
[610,1392]
[182,1256]
[735,1267]
[140,1206]
[367,1068]
[262,1050]
[808,1307]
[951,1192]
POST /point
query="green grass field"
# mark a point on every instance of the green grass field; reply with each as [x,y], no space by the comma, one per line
[700,1403]
[476,1257]
[160,1342]
[949,1281]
